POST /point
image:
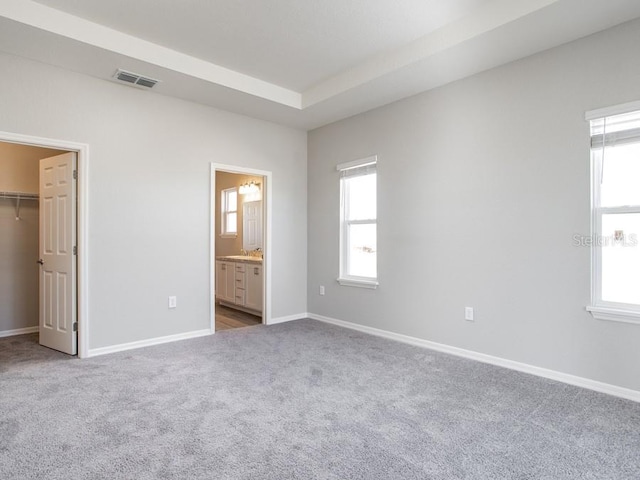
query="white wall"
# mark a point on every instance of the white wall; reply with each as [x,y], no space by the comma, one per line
[482,185]
[149,207]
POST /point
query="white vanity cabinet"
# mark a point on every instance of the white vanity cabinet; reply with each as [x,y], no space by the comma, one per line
[239,284]
[225,280]
[253,291]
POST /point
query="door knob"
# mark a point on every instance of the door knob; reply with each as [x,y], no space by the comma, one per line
[40,261]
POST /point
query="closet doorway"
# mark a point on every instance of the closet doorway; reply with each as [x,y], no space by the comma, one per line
[240,247]
[39,248]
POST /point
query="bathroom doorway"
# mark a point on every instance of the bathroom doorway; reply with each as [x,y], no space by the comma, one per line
[239,247]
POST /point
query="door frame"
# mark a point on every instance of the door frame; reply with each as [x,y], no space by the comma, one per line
[266,236]
[82,231]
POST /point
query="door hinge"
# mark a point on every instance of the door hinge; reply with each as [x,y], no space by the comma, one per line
[75,326]
[75,250]
[75,174]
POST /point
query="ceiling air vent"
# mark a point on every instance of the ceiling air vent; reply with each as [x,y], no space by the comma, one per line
[135,79]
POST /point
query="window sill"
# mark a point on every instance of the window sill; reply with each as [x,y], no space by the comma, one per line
[350,282]
[614,314]
[228,235]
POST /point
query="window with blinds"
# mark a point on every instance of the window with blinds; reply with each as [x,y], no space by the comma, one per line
[615,157]
[358,223]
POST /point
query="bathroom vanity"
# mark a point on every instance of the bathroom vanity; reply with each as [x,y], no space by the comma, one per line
[239,282]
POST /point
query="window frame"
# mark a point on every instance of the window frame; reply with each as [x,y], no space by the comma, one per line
[344,278]
[224,212]
[599,308]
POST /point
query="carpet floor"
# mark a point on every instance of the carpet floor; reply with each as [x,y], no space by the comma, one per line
[301,400]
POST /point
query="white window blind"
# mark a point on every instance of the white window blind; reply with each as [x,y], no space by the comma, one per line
[615,130]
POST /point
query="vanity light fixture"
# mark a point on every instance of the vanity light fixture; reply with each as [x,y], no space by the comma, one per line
[249,187]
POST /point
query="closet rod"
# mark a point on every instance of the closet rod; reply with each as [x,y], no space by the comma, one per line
[18,196]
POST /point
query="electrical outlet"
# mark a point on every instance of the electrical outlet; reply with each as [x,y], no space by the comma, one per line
[321,289]
[173,302]
[468,313]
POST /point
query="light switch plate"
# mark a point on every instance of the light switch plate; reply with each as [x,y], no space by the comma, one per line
[468,313]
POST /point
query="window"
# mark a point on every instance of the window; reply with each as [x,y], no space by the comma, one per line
[229,209]
[358,223]
[615,166]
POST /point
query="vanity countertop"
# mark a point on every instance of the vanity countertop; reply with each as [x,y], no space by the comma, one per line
[240,258]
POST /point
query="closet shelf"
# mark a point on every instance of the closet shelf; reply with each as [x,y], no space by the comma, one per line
[18,197]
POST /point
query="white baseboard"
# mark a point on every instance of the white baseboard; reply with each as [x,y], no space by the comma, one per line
[289,318]
[601,387]
[94,352]
[18,331]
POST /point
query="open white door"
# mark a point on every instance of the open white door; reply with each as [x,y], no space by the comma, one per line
[58,327]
